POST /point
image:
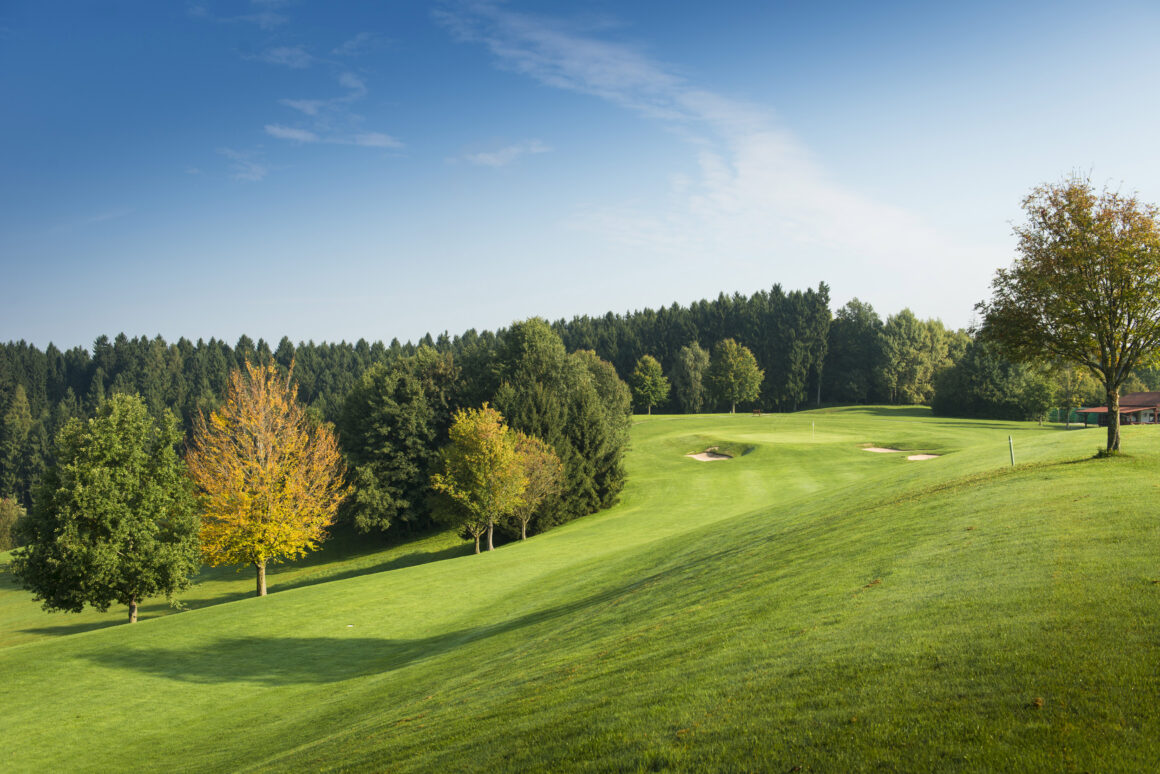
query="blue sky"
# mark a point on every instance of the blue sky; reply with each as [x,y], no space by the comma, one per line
[336,171]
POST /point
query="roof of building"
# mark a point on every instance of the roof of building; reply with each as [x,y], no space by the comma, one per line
[1129,404]
[1145,399]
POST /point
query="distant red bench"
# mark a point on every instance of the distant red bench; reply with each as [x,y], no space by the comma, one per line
[756,412]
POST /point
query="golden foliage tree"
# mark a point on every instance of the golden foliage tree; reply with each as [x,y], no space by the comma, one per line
[270,480]
[481,473]
[545,478]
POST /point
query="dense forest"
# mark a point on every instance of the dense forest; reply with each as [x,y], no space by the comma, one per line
[563,382]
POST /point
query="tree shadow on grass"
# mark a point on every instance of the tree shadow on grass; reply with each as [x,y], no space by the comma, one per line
[345,547]
[276,584]
[310,660]
[407,560]
[77,628]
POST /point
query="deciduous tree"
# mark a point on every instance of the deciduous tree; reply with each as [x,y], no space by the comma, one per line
[649,385]
[1085,286]
[270,479]
[733,374]
[114,518]
[688,377]
[482,474]
[545,478]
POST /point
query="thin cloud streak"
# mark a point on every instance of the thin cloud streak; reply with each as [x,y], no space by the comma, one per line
[357,45]
[505,156]
[308,106]
[294,57]
[266,20]
[326,114]
[759,189]
[290,133]
[244,168]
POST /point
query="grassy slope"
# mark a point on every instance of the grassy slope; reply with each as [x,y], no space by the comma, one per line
[806,604]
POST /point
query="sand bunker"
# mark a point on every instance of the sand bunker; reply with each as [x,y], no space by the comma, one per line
[914,457]
[709,455]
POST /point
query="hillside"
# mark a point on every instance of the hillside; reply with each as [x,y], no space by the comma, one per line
[805,604]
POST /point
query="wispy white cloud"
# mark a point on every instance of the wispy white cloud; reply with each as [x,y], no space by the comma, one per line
[290,133]
[294,57]
[266,19]
[355,84]
[243,166]
[308,106]
[331,121]
[758,190]
[357,45]
[505,156]
[376,140]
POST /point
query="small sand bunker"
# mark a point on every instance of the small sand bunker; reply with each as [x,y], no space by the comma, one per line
[709,455]
[922,457]
[880,450]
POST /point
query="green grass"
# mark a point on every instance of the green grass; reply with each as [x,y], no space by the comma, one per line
[804,604]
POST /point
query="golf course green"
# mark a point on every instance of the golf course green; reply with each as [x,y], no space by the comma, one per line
[805,605]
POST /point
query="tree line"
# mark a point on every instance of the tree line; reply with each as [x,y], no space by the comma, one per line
[120,516]
[392,403]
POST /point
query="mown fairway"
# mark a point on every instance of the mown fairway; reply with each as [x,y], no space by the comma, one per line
[804,604]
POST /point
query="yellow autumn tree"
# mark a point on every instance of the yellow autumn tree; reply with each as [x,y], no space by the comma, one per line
[270,481]
[545,478]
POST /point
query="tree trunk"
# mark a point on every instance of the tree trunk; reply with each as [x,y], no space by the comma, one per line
[523,530]
[648,410]
[490,526]
[1113,418]
[133,610]
[477,544]
[261,568]
[732,408]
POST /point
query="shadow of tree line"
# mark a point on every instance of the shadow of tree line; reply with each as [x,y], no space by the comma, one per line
[278,661]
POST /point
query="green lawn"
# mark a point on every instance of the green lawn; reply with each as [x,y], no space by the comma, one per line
[804,604]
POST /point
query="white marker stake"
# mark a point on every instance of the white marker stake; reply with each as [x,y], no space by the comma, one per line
[1011,443]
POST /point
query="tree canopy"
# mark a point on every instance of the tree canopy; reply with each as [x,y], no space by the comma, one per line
[1084,288]
[545,479]
[390,428]
[270,479]
[649,385]
[574,402]
[733,374]
[482,473]
[114,518]
[688,377]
